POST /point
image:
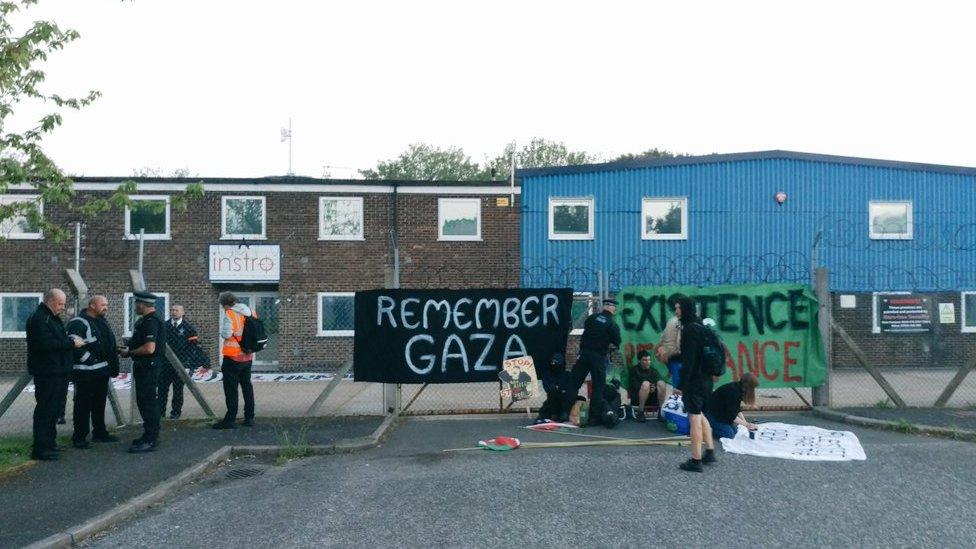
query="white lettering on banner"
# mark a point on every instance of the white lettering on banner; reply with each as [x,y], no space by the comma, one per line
[437,305]
[479,365]
[526,312]
[429,358]
[486,303]
[459,313]
[253,263]
[448,354]
[509,353]
[404,314]
[512,313]
[385,304]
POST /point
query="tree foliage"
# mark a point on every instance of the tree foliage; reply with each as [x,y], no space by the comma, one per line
[649,154]
[22,159]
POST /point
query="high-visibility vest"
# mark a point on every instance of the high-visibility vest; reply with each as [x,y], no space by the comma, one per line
[232,345]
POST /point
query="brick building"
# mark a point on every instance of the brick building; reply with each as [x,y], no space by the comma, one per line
[295,249]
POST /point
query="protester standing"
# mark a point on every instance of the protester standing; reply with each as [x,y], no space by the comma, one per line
[696,384]
[94,364]
[49,360]
[236,364]
[599,333]
[181,337]
[145,347]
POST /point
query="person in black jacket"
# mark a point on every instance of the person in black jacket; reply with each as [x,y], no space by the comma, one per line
[724,408]
[599,333]
[696,385]
[555,381]
[182,338]
[145,347]
[94,364]
[49,361]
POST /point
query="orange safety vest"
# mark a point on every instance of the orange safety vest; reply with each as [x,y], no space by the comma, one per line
[232,345]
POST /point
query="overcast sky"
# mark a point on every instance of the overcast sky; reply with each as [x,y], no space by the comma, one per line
[207,85]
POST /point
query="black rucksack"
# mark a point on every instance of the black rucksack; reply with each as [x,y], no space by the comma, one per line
[713,353]
[254,338]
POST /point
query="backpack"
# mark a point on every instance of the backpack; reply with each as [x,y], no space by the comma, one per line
[254,338]
[713,353]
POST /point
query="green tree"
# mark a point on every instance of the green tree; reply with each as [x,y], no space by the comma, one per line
[538,153]
[424,162]
[649,154]
[22,159]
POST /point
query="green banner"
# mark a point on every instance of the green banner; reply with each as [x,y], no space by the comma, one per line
[769,329]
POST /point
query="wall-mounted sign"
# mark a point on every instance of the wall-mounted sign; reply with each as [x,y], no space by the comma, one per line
[947,313]
[236,263]
[905,314]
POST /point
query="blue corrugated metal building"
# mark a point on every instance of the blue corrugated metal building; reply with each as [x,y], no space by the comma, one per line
[751,217]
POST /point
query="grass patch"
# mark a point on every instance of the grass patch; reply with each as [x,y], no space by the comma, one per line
[883,404]
[14,451]
[292,442]
[905,427]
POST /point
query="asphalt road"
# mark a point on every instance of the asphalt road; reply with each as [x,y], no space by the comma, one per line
[911,491]
[52,496]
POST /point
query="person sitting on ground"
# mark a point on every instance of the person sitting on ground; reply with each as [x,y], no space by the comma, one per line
[644,383]
[724,408]
[555,381]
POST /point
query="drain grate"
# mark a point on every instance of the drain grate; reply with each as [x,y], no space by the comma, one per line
[244,472]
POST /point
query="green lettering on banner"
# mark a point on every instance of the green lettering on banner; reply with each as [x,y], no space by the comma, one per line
[770,330]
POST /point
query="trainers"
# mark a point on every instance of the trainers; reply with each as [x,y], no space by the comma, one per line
[142,448]
[640,416]
[224,424]
[175,415]
[610,419]
[709,457]
[248,423]
[692,466]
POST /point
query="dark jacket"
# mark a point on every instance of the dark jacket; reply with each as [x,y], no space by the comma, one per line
[48,345]
[98,354]
[599,332]
[185,342]
[693,375]
[726,402]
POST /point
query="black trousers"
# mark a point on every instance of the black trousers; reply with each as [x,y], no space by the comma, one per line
[91,393]
[145,374]
[167,377]
[595,364]
[237,374]
[48,390]
[63,400]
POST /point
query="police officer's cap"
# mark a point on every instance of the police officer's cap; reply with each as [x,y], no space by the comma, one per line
[145,297]
[610,302]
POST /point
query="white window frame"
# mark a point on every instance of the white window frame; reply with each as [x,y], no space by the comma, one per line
[125,310]
[683,235]
[962,312]
[18,335]
[440,220]
[589,202]
[9,199]
[909,235]
[332,333]
[224,235]
[128,211]
[362,219]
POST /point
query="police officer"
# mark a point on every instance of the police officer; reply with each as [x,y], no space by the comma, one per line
[94,364]
[145,347]
[599,332]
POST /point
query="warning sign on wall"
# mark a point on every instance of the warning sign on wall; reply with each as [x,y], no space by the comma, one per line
[904,313]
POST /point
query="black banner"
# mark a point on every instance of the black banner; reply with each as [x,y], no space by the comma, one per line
[455,336]
[904,314]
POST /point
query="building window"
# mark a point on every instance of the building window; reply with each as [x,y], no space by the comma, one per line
[129,311]
[20,226]
[890,220]
[570,219]
[584,304]
[243,217]
[341,218]
[664,219]
[968,311]
[14,311]
[459,219]
[149,213]
[336,314]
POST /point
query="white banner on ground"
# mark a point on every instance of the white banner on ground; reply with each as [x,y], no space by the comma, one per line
[800,442]
[203,375]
